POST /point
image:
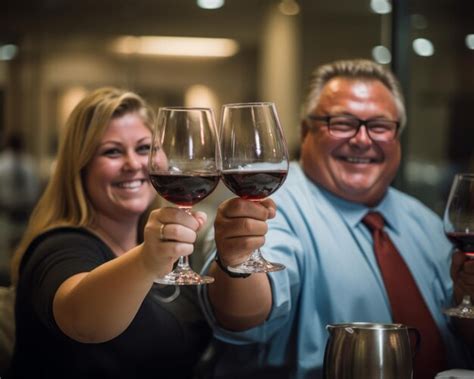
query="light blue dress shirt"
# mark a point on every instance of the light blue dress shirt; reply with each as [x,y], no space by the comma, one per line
[332,276]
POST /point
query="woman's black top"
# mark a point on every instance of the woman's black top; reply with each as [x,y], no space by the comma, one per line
[164,340]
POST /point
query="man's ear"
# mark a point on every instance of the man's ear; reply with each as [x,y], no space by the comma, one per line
[304,125]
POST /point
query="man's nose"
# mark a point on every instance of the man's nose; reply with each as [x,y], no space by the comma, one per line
[362,136]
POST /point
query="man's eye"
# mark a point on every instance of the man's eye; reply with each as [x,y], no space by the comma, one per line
[380,127]
[343,123]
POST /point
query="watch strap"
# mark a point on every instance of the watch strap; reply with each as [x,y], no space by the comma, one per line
[226,270]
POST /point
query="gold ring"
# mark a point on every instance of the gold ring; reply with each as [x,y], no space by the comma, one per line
[162,229]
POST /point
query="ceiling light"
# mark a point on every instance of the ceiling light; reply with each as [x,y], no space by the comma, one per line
[176,46]
[210,4]
[381,54]
[8,52]
[380,6]
[423,47]
[470,41]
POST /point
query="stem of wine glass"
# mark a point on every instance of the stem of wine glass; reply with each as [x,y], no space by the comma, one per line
[183,261]
[466,301]
[256,255]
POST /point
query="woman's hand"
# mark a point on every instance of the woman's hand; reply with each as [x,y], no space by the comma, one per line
[169,234]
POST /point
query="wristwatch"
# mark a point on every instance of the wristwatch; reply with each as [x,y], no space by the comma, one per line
[230,273]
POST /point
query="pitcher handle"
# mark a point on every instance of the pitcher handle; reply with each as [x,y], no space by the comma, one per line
[417,339]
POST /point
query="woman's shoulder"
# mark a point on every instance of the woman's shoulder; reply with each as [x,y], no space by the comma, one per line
[62,238]
[65,234]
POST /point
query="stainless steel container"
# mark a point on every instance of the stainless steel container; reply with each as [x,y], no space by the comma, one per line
[367,350]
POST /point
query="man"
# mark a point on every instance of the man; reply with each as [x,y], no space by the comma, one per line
[350,153]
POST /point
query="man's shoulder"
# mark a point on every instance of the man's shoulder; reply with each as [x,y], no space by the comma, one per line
[410,205]
[405,198]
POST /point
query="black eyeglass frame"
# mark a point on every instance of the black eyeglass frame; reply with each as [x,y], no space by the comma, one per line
[327,120]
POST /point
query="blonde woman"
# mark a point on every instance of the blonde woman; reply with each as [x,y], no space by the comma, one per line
[87,305]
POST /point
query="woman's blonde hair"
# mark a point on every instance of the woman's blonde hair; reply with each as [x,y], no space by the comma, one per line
[64,201]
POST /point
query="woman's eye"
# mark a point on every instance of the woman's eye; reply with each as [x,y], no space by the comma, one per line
[144,149]
[112,152]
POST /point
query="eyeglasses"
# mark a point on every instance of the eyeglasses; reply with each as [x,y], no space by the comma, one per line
[348,126]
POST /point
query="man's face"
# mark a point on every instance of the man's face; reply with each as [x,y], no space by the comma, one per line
[356,169]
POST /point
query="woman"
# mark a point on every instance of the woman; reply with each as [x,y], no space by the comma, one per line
[86,302]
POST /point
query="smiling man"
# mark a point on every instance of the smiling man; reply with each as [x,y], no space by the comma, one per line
[320,230]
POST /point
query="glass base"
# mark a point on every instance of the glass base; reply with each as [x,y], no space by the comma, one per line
[460,311]
[255,264]
[184,277]
[463,310]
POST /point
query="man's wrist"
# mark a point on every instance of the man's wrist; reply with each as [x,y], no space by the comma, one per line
[226,270]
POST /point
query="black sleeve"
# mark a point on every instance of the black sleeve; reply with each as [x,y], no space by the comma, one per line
[58,256]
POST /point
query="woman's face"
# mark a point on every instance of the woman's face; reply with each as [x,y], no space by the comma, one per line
[116,178]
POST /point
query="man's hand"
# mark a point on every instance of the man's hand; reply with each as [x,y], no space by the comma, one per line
[240,228]
[462,273]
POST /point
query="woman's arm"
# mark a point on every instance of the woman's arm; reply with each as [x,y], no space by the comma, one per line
[99,305]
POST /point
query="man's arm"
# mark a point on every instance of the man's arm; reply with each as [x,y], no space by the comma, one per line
[240,227]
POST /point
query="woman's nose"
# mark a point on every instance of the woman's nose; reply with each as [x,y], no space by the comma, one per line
[134,162]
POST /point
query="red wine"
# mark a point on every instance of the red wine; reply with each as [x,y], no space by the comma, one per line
[184,190]
[463,241]
[253,185]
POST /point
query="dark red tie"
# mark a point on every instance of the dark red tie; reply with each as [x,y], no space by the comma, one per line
[408,306]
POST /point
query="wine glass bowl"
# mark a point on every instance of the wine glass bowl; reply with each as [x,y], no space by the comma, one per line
[183,167]
[458,221]
[254,162]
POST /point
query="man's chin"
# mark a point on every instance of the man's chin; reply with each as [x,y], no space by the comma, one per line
[362,193]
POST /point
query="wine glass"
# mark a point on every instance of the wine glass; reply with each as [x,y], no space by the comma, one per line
[184,169]
[254,162]
[459,228]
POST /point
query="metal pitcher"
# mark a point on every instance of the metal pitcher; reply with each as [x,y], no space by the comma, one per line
[366,350]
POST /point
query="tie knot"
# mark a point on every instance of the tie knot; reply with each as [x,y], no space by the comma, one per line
[373,220]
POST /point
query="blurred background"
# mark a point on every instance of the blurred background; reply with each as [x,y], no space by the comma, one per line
[52,52]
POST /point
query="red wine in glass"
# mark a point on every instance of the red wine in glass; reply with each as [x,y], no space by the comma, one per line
[183,167]
[253,185]
[459,228]
[184,190]
[463,241]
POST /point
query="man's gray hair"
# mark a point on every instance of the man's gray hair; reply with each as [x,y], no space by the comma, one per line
[363,69]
